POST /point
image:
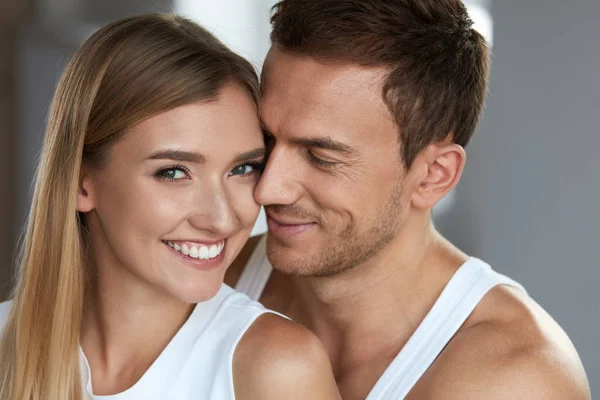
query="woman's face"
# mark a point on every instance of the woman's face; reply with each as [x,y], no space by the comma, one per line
[174,203]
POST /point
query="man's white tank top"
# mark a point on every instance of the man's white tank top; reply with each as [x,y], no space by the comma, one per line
[471,282]
[197,362]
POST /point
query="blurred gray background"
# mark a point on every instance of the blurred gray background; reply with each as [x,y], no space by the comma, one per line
[528,200]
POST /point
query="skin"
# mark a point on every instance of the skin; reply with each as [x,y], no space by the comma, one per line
[364,305]
[186,176]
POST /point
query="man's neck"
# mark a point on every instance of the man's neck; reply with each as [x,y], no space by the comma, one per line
[370,311]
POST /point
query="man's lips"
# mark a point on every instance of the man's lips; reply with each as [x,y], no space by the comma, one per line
[287,227]
[287,221]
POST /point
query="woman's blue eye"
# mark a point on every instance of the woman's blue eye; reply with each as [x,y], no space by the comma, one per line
[173,173]
[245,169]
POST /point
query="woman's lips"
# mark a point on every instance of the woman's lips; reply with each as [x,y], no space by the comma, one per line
[199,255]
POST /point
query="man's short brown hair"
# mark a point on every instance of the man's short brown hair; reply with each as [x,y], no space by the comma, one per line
[438,63]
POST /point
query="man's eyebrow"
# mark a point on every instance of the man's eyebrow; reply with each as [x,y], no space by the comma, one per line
[250,155]
[178,155]
[324,143]
[319,142]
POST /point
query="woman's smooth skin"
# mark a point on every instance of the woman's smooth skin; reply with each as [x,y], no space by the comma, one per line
[184,177]
[151,154]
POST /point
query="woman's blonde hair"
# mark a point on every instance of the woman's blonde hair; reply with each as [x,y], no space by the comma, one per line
[126,72]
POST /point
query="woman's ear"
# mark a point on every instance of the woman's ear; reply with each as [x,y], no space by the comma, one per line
[85,192]
[444,164]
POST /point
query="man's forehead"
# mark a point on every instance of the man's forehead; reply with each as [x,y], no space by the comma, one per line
[304,98]
[298,78]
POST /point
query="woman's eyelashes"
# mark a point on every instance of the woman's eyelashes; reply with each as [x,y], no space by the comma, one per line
[249,168]
[180,172]
[173,173]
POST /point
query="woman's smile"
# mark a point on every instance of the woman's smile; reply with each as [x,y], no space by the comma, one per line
[200,255]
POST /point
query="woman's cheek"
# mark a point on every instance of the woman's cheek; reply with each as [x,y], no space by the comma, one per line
[244,205]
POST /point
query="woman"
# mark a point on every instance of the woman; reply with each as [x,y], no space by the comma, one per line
[143,197]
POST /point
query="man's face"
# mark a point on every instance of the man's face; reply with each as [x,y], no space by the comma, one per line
[334,187]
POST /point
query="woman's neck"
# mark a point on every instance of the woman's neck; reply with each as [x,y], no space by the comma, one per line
[126,324]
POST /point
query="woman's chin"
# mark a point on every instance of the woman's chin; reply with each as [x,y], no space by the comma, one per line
[203,291]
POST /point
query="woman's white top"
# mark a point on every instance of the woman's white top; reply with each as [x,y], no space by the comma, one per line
[197,362]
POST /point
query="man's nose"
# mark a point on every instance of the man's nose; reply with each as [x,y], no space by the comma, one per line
[280,180]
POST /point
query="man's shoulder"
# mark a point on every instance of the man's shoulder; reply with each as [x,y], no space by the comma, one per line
[509,348]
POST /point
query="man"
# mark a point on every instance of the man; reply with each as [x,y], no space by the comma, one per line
[367,106]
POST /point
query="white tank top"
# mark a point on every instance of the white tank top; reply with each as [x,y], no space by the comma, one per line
[197,362]
[471,282]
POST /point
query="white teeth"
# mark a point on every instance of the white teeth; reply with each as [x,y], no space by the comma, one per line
[201,252]
[204,253]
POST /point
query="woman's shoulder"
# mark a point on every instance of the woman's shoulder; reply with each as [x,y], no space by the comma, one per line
[277,358]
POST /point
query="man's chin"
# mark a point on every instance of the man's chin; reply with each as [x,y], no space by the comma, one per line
[290,260]
[299,263]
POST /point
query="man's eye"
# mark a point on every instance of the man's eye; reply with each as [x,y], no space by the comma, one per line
[173,173]
[320,162]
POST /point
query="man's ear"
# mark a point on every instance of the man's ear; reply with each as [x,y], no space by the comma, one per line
[441,167]
[85,192]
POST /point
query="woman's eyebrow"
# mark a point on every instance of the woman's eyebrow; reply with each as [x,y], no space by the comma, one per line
[250,155]
[178,155]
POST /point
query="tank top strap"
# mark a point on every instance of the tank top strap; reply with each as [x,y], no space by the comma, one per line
[256,274]
[471,282]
